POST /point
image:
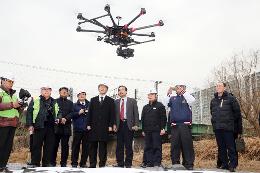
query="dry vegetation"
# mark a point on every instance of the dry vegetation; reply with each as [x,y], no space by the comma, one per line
[205,154]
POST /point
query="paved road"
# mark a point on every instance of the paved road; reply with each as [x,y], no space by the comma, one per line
[17,168]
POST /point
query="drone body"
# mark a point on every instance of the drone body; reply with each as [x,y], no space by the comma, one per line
[118,35]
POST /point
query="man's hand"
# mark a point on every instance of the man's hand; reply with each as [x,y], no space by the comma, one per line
[81,111]
[143,133]
[16,105]
[169,92]
[135,128]
[63,120]
[31,129]
[114,128]
[162,132]
[110,129]
[88,128]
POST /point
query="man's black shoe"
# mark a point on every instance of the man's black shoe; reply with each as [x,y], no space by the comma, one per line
[224,167]
[232,170]
[143,165]
[74,166]
[189,168]
[4,169]
[128,166]
[32,166]
[84,166]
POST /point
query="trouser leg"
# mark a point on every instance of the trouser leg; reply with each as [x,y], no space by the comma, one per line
[187,146]
[38,138]
[128,138]
[93,145]
[75,148]
[84,151]
[55,149]
[222,150]
[48,146]
[149,148]
[231,148]
[175,145]
[102,152]
[64,149]
[6,144]
[120,145]
[157,148]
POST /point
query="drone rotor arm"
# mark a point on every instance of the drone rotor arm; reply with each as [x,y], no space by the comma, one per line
[137,42]
[93,21]
[160,23]
[85,30]
[143,11]
[107,9]
[146,35]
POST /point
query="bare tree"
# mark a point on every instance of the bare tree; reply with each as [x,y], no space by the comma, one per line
[243,80]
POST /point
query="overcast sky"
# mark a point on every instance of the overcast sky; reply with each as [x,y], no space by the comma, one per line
[198,35]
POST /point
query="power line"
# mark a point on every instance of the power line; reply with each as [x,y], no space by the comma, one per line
[73,72]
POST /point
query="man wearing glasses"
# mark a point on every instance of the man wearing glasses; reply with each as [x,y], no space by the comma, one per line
[8,118]
[41,115]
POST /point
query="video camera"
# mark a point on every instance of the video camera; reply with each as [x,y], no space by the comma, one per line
[126,53]
[24,95]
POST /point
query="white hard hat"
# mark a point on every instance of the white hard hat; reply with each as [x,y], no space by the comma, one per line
[152,91]
[8,75]
[45,86]
[79,91]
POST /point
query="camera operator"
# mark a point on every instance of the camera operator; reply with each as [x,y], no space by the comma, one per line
[80,118]
[63,127]
[9,117]
[41,115]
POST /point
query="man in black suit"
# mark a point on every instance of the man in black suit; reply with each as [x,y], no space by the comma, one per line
[101,121]
[127,119]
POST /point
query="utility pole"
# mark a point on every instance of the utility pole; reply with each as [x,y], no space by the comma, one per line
[136,94]
[71,94]
[156,84]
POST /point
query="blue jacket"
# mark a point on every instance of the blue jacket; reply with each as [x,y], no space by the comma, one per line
[80,121]
[180,110]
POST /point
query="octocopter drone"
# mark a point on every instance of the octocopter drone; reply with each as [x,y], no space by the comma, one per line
[118,35]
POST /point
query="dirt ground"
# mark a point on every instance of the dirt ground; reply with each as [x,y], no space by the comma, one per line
[205,151]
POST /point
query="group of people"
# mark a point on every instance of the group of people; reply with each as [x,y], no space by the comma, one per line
[49,122]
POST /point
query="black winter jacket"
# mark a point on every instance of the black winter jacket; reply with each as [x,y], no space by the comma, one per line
[225,112]
[153,117]
[46,115]
[66,111]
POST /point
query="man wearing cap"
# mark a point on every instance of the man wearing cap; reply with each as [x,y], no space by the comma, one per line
[127,120]
[41,115]
[153,127]
[181,119]
[101,121]
[80,133]
[8,118]
[63,127]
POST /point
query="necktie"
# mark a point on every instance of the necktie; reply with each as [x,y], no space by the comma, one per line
[122,110]
[102,100]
